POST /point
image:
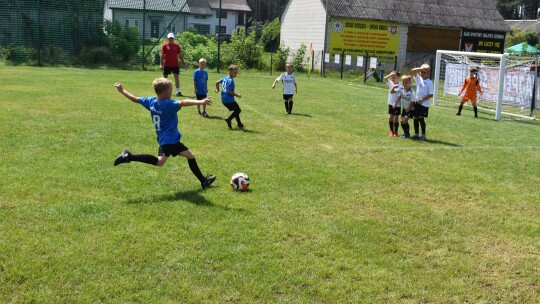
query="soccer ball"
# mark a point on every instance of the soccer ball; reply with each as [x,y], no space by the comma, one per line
[240,181]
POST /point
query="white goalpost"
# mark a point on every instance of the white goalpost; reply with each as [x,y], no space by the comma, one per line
[509,83]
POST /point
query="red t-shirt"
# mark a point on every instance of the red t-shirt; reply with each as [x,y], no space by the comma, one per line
[171,51]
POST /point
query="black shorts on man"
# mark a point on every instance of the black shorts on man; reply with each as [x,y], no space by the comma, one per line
[172,149]
[286,97]
[169,70]
[393,111]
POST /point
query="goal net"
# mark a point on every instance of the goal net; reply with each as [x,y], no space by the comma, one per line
[508,84]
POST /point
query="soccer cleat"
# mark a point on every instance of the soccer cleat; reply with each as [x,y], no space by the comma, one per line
[422,137]
[208,181]
[199,114]
[415,136]
[241,126]
[204,114]
[228,121]
[124,157]
[406,135]
[391,133]
[458,114]
[179,94]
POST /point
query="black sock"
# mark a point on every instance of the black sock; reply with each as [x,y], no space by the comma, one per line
[423,125]
[396,126]
[195,169]
[405,128]
[290,106]
[460,108]
[391,124]
[238,120]
[475,111]
[286,106]
[144,158]
[416,126]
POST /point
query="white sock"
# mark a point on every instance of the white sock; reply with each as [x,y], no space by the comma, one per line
[177,90]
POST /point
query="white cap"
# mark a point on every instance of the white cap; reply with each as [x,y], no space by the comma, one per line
[170,35]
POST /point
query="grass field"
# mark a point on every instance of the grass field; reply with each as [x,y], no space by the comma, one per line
[337,212]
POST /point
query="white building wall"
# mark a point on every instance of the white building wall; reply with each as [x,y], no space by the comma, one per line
[229,22]
[303,21]
[164,20]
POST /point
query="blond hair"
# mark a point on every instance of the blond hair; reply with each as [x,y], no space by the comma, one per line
[425,66]
[161,85]
[202,60]
[405,77]
[232,67]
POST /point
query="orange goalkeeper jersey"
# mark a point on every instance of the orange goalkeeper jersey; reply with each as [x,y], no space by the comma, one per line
[470,86]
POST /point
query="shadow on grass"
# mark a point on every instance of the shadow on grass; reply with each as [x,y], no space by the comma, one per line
[192,196]
[301,114]
[440,142]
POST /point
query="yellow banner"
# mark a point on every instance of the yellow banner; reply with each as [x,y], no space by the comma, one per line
[358,37]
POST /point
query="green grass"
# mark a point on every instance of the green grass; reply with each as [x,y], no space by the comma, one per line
[337,212]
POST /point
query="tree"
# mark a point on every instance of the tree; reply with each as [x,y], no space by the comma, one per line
[517,9]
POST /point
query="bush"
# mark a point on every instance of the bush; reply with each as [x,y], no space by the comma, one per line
[123,42]
[243,51]
[300,58]
[96,55]
[282,56]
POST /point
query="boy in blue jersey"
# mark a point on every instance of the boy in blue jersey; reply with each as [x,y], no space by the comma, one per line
[228,94]
[200,82]
[164,112]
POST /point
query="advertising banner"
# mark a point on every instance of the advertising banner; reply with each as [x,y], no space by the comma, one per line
[358,37]
[482,41]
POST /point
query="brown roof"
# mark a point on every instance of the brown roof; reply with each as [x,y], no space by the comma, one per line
[475,14]
[533,25]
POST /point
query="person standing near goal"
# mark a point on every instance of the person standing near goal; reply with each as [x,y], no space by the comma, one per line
[392,80]
[471,85]
[406,97]
[424,92]
[289,86]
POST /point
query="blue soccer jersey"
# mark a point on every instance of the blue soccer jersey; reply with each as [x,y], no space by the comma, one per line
[201,80]
[227,84]
[164,117]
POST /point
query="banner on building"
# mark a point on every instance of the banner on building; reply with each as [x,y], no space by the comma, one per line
[358,37]
[482,41]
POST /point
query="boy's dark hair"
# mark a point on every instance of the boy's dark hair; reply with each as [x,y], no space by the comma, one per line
[398,74]
[474,70]
[232,67]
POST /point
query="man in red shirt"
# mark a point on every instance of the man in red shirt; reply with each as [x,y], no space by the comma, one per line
[170,52]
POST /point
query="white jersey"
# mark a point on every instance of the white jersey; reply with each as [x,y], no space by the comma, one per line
[288,82]
[407,97]
[424,87]
[392,96]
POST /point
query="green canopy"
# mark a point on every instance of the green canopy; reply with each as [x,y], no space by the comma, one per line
[522,48]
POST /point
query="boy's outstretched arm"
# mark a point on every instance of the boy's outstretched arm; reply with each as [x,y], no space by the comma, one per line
[217,85]
[191,102]
[128,95]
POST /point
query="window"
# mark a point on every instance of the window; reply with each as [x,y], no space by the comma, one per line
[202,28]
[171,28]
[223,14]
[131,23]
[240,19]
[223,29]
[200,17]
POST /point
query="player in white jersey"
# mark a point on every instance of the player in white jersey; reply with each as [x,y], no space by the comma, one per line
[406,98]
[424,92]
[392,80]
[289,86]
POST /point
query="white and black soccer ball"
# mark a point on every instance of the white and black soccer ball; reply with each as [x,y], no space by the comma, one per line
[240,181]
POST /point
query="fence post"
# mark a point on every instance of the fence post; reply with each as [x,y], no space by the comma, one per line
[395,63]
[365,68]
[271,60]
[342,61]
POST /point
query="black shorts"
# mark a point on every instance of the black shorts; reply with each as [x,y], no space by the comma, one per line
[287,97]
[201,96]
[393,111]
[232,106]
[172,149]
[420,111]
[167,70]
[409,114]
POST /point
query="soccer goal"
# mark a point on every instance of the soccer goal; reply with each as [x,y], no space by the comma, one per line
[509,84]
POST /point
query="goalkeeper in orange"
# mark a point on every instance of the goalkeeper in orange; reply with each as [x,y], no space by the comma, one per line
[471,85]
